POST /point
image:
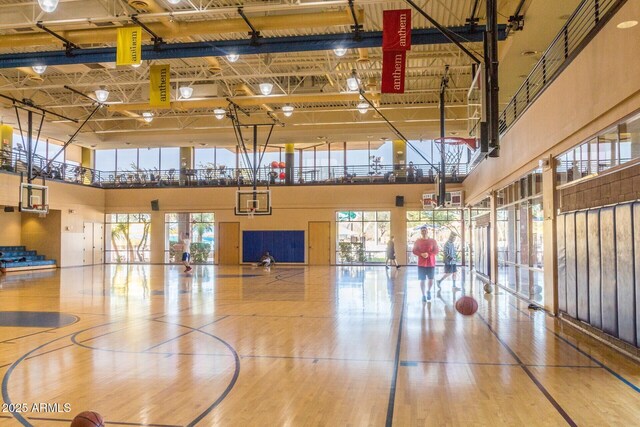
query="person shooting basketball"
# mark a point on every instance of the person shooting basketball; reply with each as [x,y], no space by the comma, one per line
[426,250]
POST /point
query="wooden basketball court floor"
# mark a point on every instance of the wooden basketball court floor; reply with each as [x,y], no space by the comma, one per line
[296,346]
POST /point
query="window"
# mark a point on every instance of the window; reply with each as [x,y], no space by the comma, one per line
[520,226]
[127,160]
[440,224]
[105,160]
[127,238]
[169,158]
[630,139]
[204,158]
[226,156]
[149,158]
[362,236]
[201,228]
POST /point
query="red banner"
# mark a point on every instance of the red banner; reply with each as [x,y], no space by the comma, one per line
[396,29]
[393,68]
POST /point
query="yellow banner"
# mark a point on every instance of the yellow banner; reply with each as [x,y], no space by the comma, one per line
[159,90]
[129,46]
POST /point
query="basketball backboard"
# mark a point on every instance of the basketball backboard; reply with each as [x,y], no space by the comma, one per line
[253,202]
[34,198]
[476,104]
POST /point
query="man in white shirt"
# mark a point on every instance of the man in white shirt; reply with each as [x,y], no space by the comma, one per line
[186,252]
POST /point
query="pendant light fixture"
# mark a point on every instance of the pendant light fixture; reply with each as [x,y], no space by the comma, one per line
[266,88]
[102,94]
[340,52]
[40,69]
[48,6]
[287,110]
[363,107]
[219,113]
[186,92]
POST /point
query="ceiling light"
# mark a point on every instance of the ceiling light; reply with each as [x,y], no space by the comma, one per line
[174,1]
[529,52]
[48,5]
[186,92]
[219,113]
[40,69]
[287,110]
[147,116]
[363,107]
[340,51]
[102,94]
[353,83]
[266,88]
[627,24]
[233,57]
[136,65]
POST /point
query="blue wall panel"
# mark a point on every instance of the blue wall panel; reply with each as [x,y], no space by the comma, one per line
[285,246]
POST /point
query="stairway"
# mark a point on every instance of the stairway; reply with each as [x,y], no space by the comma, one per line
[17,258]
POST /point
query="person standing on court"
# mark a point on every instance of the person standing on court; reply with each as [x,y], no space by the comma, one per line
[391,254]
[186,252]
[450,258]
[426,250]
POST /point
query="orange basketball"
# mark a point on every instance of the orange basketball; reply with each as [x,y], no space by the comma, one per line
[88,419]
[467,306]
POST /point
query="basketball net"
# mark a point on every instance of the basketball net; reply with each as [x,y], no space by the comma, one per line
[251,213]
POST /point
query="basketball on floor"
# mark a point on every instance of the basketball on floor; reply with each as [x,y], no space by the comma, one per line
[466,305]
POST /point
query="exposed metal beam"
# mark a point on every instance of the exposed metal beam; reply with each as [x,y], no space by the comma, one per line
[369,39]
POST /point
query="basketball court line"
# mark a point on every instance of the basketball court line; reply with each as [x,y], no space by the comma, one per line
[5,380]
[34,333]
[396,362]
[181,335]
[533,378]
[230,386]
[589,356]
[24,422]
[318,358]
[595,360]
[109,422]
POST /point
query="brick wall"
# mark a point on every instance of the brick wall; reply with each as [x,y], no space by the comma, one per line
[616,187]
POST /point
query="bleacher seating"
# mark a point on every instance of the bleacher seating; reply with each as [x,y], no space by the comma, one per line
[18,258]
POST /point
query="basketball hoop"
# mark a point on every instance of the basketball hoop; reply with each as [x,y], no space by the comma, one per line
[251,213]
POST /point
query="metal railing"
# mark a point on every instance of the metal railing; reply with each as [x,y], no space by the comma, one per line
[16,162]
[582,25]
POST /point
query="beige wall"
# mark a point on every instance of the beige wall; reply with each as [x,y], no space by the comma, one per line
[43,234]
[293,207]
[598,88]
[10,226]
[73,205]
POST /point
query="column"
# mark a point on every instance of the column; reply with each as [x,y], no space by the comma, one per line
[6,146]
[88,162]
[186,164]
[158,238]
[493,238]
[399,232]
[289,163]
[550,264]
[399,157]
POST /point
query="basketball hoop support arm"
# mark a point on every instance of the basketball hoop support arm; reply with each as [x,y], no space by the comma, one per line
[441,184]
[396,131]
